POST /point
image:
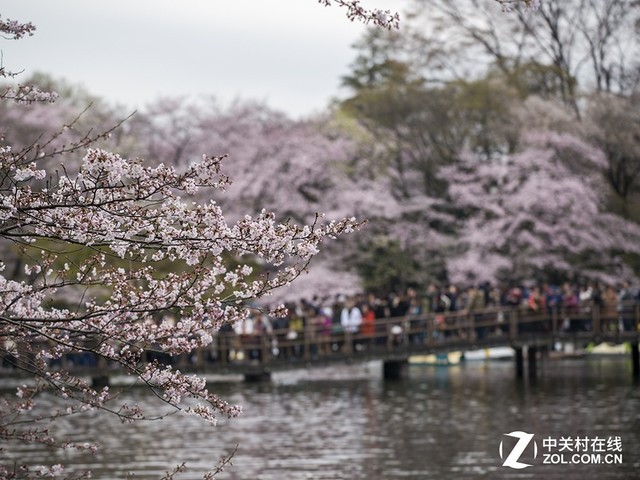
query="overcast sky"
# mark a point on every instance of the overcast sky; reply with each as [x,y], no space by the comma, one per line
[289,53]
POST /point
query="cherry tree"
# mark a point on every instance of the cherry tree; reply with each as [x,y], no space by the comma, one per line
[305,160]
[314,164]
[301,156]
[537,212]
[117,259]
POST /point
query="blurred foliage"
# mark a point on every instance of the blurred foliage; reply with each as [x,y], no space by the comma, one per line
[385,266]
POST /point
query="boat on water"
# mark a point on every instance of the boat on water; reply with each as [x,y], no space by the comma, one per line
[606,348]
[506,353]
[484,354]
[454,358]
[440,359]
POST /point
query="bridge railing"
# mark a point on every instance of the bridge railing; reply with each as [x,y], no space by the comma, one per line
[397,336]
[433,331]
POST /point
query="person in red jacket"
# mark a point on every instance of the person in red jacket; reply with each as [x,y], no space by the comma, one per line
[368,326]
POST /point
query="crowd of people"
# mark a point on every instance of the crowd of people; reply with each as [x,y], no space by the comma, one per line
[321,323]
[358,314]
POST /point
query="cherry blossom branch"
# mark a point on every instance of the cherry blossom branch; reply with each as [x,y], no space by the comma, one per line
[114,258]
[355,11]
[13,30]
[126,214]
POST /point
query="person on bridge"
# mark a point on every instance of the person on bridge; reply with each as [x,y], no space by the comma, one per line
[351,319]
[368,327]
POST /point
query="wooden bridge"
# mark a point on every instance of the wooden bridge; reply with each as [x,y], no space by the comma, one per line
[395,340]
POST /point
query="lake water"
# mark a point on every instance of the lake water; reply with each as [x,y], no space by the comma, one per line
[348,423]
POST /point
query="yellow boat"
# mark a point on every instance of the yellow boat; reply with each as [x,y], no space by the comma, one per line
[606,348]
[443,359]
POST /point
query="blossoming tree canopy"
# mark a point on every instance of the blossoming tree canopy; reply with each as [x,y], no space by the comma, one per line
[539,208]
[114,258]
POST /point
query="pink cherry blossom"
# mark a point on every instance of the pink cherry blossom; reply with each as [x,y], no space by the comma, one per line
[540,209]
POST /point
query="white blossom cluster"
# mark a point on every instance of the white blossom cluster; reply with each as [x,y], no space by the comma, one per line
[27,94]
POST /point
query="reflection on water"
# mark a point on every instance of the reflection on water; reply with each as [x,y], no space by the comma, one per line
[347,423]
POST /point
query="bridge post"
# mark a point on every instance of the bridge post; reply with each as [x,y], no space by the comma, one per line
[265,349]
[532,354]
[635,360]
[596,323]
[519,358]
[257,376]
[430,333]
[99,381]
[224,348]
[513,325]
[471,322]
[554,322]
[348,343]
[395,369]
[308,332]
